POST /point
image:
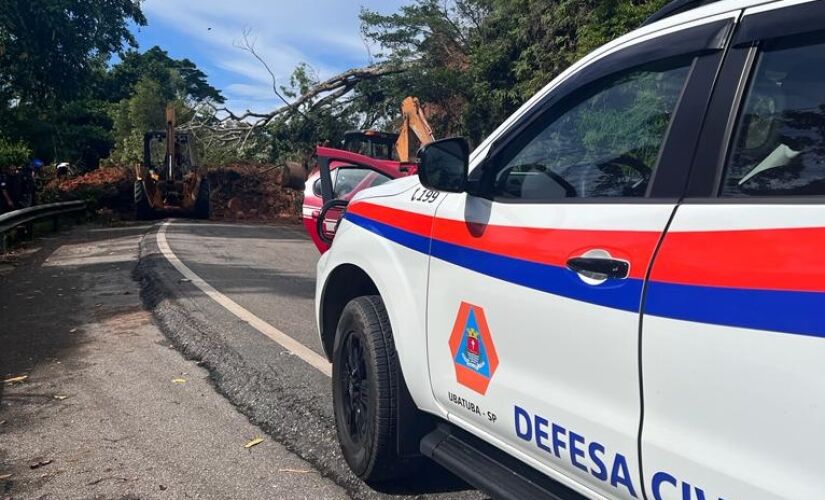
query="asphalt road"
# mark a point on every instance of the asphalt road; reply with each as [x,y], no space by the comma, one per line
[268,272]
[95,404]
[123,376]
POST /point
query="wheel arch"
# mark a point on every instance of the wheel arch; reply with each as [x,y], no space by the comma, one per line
[362,263]
[345,283]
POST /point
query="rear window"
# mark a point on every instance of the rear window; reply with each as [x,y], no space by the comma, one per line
[779,146]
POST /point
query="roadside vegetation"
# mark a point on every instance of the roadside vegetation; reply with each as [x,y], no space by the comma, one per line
[75,87]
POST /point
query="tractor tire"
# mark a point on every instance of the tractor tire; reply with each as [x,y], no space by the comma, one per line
[143,210]
[202,203]
[366,378]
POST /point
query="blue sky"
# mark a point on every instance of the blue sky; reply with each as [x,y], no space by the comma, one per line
[323,33]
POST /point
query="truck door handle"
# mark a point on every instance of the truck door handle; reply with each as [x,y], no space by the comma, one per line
[599,268]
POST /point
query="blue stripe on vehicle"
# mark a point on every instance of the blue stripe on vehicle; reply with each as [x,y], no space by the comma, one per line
[800,313]
[794,312]
[616,294]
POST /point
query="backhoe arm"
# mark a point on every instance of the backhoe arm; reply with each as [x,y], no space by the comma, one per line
[415,130]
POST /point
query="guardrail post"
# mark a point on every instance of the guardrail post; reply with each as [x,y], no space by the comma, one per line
[3,245]
[56,223]
[29,228]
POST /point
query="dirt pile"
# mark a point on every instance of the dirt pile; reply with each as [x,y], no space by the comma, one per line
[109,188]
[253,191]
[240,191]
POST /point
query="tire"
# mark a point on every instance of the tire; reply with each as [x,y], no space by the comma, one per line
[143,210]
[202,205]
[365,385]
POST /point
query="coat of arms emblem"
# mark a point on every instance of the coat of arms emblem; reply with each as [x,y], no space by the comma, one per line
[473,352]
[472,355]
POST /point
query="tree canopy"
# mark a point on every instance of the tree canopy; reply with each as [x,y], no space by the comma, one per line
[477,61]
[472,63]
[51,49]
[60,93]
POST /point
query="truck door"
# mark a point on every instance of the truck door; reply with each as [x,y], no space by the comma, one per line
[733,327]
[536,278]
[341,175]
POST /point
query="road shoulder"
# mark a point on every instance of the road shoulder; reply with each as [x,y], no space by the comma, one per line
[108,410]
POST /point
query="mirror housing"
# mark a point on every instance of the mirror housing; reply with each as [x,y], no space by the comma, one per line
[443,165]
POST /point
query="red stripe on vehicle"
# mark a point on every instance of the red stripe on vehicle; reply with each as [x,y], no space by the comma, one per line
[412,222]
[764,259]
[550,246]
[541,245]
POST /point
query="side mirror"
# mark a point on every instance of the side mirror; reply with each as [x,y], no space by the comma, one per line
[443,165]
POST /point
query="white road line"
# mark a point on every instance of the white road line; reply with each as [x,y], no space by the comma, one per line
[293,346]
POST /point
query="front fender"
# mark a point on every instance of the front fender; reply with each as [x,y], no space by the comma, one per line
[400,275]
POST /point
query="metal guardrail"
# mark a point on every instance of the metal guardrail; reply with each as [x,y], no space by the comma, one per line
[28,216]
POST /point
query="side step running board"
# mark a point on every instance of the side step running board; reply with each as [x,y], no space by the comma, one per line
[489,469]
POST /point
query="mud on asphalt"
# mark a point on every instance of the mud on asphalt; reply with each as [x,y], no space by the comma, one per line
[278,392]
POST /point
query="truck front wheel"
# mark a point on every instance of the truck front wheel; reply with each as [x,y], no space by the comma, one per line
[365,381]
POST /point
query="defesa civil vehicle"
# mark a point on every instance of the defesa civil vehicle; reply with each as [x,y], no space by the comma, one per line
[620,293]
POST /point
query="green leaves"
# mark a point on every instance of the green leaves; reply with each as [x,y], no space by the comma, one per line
[179,78]
[477,61]
[51,47]
[53,63]
[58,92]
[13,154]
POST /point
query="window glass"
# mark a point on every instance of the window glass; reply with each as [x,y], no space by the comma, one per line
[354,179]
[382,151]
[779,146]
[602,142]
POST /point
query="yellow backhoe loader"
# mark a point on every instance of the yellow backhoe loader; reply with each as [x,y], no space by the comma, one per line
[170,181]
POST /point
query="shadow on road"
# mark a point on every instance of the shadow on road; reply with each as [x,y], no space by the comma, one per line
[42,304]
[431,479]
[279,392]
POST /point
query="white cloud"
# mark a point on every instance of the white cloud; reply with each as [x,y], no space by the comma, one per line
[251,92]
[323,33]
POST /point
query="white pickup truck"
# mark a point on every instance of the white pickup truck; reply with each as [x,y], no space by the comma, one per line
[620,293]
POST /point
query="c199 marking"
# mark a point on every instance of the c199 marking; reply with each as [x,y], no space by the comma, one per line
[424,195]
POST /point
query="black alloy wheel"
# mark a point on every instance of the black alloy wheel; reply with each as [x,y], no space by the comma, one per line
[355,389]
[366,380]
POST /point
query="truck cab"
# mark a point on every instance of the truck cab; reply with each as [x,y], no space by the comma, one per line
[372,143]
[618,294]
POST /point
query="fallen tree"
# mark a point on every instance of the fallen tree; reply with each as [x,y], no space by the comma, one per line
[218,124]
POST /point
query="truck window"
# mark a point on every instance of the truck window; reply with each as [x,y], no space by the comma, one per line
[779,145]
[603,141]
[350,179]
